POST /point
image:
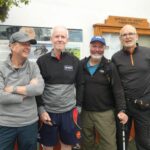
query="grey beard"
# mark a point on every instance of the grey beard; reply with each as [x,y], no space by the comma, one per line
[97,57]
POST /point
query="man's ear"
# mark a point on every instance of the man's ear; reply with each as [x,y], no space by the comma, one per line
[67,39]
[120,37]
[137,36]
[11,45]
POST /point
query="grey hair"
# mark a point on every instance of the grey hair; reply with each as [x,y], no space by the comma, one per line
[59,27]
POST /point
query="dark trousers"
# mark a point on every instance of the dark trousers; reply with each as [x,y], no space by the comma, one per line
[142,127]
[26,137]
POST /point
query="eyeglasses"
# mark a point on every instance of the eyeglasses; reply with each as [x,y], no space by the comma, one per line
[130,34]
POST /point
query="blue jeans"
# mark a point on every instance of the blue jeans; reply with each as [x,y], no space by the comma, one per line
[26,137]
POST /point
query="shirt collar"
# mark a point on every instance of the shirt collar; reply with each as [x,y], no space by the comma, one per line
[8,61]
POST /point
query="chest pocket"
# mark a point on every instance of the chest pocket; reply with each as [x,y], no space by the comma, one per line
[102,77]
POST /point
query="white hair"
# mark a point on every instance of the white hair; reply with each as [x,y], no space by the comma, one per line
[59,27]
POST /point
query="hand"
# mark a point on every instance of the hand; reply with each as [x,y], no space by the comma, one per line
[79,109]
[45,118]
[122,117]
[9,89]
[34,81]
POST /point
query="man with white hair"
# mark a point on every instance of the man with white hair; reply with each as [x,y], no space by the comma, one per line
[60,71]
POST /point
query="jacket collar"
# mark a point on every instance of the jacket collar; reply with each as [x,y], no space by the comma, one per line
[101,64]
[135,50]
[9,63]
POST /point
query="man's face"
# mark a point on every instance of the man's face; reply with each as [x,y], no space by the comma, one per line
[21,50]
[128,36]
[97,50]
[59,39]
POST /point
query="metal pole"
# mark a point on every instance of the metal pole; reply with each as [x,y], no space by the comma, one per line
[123,137]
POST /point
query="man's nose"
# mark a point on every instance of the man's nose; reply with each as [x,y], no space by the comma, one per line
[60,38]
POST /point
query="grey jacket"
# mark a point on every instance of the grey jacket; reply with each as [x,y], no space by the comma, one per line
[19,110]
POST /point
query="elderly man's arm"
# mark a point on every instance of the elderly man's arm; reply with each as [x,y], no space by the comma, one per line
[119,95]
[7,97]
[34,88]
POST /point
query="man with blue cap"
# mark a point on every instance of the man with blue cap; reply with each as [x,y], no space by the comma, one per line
[20,82]
[103,95]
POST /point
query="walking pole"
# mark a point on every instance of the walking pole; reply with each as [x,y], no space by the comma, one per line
[123,137]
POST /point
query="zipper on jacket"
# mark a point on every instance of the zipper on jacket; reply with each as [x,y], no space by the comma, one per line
[131,59]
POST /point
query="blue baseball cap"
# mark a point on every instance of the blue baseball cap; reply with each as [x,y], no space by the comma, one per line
[98,39]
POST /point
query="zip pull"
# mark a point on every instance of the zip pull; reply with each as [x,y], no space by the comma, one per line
[131,58]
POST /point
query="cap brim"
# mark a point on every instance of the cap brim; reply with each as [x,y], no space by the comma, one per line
[98,41]
[33,41]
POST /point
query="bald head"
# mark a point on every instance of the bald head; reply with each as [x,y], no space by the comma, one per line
[127,28]
[128,37]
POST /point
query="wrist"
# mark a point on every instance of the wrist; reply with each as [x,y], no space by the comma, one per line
[14,89]
[124,111]
[79,109]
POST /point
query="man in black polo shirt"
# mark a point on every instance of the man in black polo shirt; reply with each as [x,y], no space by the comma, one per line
[60,71]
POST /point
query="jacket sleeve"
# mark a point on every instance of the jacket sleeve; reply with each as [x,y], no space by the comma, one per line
[117,89]
[79,84]
[35,89]
[39,100]
[8,98]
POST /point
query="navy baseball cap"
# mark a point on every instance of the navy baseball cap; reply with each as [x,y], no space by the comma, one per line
[98,39]
[21,37]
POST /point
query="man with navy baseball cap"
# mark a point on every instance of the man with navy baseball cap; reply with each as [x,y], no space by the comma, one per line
[98,39]
[102,94]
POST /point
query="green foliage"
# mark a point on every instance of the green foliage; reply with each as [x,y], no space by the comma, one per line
[5,6]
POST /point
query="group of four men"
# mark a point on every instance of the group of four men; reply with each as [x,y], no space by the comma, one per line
[102,91]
